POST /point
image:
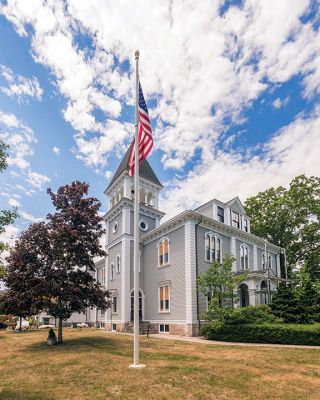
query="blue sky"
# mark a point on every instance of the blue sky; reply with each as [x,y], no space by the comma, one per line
[232,89]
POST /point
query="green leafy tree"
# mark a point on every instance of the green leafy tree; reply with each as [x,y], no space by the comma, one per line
[219,283]
[6,216]
[290,218]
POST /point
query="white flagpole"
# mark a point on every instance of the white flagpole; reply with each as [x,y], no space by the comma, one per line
[136,362]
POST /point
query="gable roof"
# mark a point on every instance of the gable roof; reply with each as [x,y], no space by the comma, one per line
[145,170]
[237,203]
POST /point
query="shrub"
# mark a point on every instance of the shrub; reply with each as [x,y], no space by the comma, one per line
[51,334]
[251,315]
[265,333]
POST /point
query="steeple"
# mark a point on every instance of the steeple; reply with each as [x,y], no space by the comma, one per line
[121,184]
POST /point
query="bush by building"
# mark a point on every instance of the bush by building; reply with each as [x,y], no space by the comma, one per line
[264,333]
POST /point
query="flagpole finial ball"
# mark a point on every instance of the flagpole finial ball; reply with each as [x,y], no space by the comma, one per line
[137,54]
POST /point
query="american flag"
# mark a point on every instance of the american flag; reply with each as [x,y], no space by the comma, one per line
[144,134]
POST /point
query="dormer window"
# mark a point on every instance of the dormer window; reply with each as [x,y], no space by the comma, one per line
[220,214]
[235,220]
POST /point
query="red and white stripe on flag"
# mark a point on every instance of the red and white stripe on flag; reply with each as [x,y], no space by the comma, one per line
[145,139]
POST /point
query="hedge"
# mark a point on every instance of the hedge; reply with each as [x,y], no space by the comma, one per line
[265,333]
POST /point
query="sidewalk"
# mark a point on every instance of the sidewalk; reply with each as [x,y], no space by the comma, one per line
[201,340]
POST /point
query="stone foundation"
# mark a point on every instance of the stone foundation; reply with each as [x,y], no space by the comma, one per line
[191,330]
[174,329]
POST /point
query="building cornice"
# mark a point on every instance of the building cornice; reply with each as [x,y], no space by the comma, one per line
[207,222]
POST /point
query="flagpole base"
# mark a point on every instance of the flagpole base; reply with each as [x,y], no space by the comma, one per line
[137,366]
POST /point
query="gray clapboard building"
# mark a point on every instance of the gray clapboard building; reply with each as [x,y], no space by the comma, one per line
[173,253]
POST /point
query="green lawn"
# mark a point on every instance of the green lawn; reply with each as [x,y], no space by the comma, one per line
[92,364]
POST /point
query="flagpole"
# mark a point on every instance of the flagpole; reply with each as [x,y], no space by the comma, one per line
[136,361]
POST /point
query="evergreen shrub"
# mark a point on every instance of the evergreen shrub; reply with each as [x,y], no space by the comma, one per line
[264,333]
[51,334]
[251,315]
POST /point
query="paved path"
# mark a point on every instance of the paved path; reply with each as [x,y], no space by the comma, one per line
[201,340]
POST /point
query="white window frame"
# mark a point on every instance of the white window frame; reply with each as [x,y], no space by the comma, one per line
[118,264]
[214,238]
[169,295]
[115,227]
[164,332]
[232,220]
[114,312]
[146,225]
[162,240]
[244,246]
[112,271]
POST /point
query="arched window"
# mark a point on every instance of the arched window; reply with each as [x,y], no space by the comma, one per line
[263,293]
[118,264]
[244,256]
[112,271]
[213,245]
[163,252]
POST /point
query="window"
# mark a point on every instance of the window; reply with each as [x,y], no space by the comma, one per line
[115,227]
[112,271]
[103,312]
[220,214]
[218,258]
[269,261]
[208,246]
[114,327]
[143,225]
[213,244]
[164,328]
[164,252]
[114,304]
[263,261]
[103,276]
[263,293]
[164,298]
[235,220]
[118,264]
[244,256]
[245,225]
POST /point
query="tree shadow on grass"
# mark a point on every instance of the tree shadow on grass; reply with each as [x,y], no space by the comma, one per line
[84,344]
[23,394]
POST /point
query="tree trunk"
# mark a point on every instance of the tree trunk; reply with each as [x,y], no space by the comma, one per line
[60,331]
[20,324]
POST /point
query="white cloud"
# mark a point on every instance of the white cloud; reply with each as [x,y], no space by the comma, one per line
[37,180]
[21,140]
[29,217]
[225,176]
[278,103]
[13,202]
[20,86]
[56,150]
[193,60]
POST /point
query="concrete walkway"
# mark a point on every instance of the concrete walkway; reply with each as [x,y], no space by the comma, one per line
[201,340]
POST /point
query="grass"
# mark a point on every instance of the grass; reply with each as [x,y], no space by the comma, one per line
[92,364]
